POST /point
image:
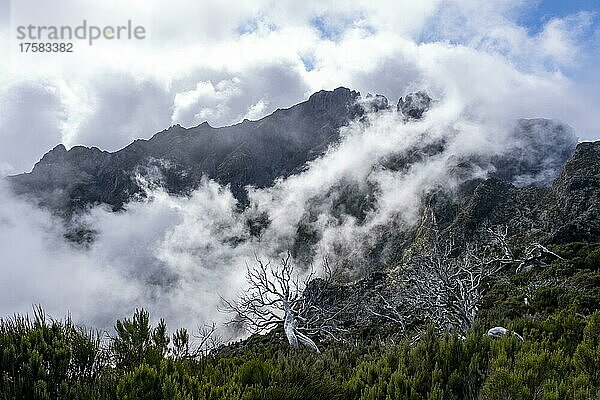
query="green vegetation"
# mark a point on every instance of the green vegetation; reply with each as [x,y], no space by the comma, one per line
[42,358]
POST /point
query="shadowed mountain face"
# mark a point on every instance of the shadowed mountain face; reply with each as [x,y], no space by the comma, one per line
[248,153]
[562,215]
[566,211]
[258,152]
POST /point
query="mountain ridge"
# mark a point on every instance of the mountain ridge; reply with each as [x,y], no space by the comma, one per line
[251,153]
[68,180]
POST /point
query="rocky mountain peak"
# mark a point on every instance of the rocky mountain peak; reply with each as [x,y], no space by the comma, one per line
[258,152]
[331,100]
[53,155]
[413,105]
[375,103]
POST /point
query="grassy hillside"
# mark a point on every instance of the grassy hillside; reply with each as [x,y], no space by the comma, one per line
[41,358]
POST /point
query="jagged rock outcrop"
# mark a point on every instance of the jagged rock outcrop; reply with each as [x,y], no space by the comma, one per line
[538,152]
[414,105]
[248,153]
[566,211]
[257,152]
[577,194]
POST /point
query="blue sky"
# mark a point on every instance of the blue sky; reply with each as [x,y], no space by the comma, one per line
[586,71]
[539,13]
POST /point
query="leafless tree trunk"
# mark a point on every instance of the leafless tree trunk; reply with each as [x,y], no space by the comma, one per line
[277,296]
[445,289]
[207,340]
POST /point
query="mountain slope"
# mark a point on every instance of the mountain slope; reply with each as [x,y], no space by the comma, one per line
[248,153]
[565,217]
[257,152]
[566,211]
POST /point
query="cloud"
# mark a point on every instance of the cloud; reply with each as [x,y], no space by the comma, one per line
[219,61]
[41,268]
[173,256]
[225,61]
[121,108]
[558,39]
[31,116]
[257,110]
[251,93]
[205,102]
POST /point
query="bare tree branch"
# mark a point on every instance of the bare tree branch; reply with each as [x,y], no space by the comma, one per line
[280,296]
[446,289]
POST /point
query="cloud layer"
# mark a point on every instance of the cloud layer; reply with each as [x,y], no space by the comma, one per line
[221,62]
[179,255]
[226,61]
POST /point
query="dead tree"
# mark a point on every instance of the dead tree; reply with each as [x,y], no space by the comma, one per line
[535,255]
[207,340]
[445,289]
[277,296]
[444,285]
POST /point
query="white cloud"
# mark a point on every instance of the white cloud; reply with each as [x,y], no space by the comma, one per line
[205,102]
[225,61]
[377,49]
[41,268]
[558,40]
[257,110]
[173,256]
[31,117]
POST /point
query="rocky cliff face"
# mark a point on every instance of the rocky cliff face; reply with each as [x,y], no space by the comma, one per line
[566,211]
[257,152]
[248,153]
[577,197]
[562,216]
